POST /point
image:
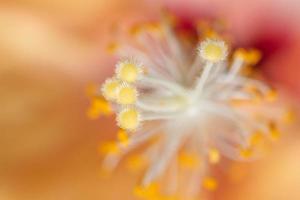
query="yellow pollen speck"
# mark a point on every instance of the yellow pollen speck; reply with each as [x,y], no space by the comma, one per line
[251,56]
[109,148]
[154,28]
[271,96]
[214,156]
[210,33]
[128,119]
[274,132]
[246,152]
[112,47]
[147,192]
[128,71]
[123,138]
[257,96]
[210,183]
[109,89]
[135,30]
[213,50]
[126,95]
[256,138]
[207,31]
[99,106]
[188,160]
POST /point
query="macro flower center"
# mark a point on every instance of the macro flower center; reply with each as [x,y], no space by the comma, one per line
[190,104]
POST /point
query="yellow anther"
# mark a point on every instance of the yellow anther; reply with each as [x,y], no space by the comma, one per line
[240,54]
[207,31]
[271,95]
[136,163]
[93,113]
[188,160]
[289,116]
[112,47]
[109,89]
[210,183]
[128,71]
[154,28]
[210,33]
[274,132]
[251,56]
[126,95]
[99,106]
[129,119]
[255,93]
[256,138]
[147,192]
[123,137]
[254,56]
[135,29]
[109,148]
[213,50]
[246,152]
[214,156]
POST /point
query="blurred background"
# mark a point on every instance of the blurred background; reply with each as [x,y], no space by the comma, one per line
[50,50]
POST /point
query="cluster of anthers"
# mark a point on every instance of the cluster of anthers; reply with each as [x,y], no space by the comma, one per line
[190,105]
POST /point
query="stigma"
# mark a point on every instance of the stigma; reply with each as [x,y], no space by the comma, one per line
[191,103]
